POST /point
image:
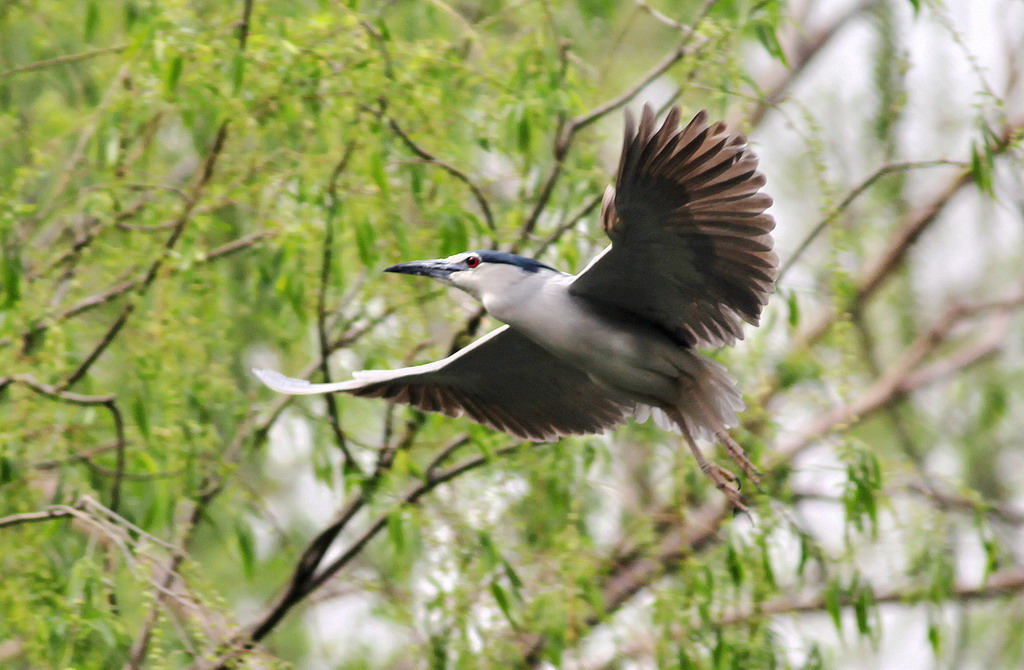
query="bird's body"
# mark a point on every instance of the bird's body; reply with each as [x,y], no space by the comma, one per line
[631,358]
[691,256]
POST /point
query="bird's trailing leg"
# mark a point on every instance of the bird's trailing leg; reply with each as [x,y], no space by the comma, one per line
[735,451]
[724,480]
[737,454]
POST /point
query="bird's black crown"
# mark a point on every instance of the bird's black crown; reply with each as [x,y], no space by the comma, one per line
[527,264]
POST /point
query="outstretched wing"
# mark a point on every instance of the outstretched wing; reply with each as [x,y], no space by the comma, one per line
[691,246]
[502,380]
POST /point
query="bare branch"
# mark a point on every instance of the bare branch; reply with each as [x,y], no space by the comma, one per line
[58,393]
[55,512]
[63,60]
[304,581]
[321,311]
[121,288]
[426,156]
[906,375]
[848,200]
[244,24]
[566,134]
[945,500]
[1000,584]
[899,244]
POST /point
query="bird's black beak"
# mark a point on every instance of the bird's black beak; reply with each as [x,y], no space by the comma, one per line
[438,269]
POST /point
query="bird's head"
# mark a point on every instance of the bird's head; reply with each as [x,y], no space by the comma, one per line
[476,272]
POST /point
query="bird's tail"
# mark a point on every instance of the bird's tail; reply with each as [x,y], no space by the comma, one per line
[708,399]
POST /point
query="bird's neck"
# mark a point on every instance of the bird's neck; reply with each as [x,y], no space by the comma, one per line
[526,298]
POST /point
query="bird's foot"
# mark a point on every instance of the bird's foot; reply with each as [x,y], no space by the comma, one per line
[739,456]
[726,482]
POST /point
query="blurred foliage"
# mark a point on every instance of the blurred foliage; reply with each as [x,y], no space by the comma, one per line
[169,177]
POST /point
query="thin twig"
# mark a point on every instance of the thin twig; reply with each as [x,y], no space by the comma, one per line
[121,443]
[150,276]
[55,463]
[566,134]
[244,24]
[946,501]
[311,558]
[848,200]
[57,393]
[55,512]
[898,245]
[996,585]
[63,60]
[321,312]
[570,223]
[428,157]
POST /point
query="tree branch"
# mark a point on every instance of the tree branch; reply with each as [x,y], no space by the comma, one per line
[55,512]
[121,288]
[321,312]
[307,579]
[899,244]
[848,200]
[426,156]
[565,136]
[1008,582]
[63,60]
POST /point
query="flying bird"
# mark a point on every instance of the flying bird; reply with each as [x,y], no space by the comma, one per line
[690,259]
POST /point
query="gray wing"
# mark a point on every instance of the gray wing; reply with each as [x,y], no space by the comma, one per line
[502,380]
[691,246]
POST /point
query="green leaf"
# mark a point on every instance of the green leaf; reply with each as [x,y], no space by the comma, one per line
[9,470]
[402,464]
[861,608]
[994,406]
[396,532]
[378,172]
[173,75]
[833,604]
[503,603]
[243,535]
[524,134]
[794,309]
[141,416]
[513,578]
[934,636]
[237,72]
[10,273]
[981,170]
[768,38]
[734,564]
[766,567]
[92,20]
[366,238]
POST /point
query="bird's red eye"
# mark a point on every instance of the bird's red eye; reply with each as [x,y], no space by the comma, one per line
[473,261]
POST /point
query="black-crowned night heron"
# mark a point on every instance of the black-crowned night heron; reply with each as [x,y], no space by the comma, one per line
[691,257]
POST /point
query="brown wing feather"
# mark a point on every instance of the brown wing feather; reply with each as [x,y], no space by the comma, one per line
[508,383]
[691,242]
